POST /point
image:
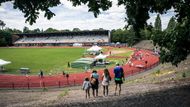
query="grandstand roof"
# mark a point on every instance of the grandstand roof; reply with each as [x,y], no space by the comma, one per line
[101,32]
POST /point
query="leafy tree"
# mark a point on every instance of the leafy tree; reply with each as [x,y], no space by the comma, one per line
[12,31]
[51,30]
[131,37]
[116,35]
[146,33]
[65,30]
[76,29]
[101,29]
[124,36]
[158,24]
[37,30]
[173,45]
[98,29]
[5,38]
[172,24]
[26,30]
[2,24]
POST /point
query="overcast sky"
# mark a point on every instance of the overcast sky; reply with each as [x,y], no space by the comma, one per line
[69,17]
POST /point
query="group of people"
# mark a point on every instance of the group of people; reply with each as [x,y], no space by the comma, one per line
[93,81]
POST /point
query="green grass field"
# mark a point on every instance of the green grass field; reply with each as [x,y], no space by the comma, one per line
[50,60]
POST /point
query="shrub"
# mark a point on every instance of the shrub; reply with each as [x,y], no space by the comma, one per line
[45,89]
[184,75]
[158,71]
[64,93]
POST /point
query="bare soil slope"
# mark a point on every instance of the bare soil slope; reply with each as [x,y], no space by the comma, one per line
[145,44]
[166,94]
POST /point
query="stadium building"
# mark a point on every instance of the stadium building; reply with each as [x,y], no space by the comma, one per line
[85,38]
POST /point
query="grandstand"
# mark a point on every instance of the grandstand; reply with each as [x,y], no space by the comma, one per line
[86,38]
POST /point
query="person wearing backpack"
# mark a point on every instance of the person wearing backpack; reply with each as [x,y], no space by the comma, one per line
[105,81]
[94,83]
[119,77]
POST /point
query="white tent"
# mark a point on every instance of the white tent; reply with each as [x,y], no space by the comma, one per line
[101,56]
[3,62]
[77,44]
[94,48]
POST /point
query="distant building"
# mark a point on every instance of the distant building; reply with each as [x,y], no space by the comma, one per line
[86,38]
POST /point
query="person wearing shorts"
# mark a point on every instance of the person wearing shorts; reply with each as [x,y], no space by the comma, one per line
[94,83]
[119,77]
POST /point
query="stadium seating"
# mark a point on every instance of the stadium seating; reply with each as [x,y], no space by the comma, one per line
[64,39]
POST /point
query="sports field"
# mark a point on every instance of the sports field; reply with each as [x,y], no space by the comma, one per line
[50,60]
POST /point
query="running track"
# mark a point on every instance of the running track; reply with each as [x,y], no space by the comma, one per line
[20,81]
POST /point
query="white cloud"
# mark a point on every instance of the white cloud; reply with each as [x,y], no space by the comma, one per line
[2,9]
[69,17]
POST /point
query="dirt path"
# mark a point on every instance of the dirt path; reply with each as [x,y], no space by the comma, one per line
[75,96]
[113,52]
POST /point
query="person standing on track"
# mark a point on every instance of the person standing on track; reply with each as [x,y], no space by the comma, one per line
[41,74]
[119,77]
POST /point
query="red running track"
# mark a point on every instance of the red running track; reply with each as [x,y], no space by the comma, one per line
[20,81]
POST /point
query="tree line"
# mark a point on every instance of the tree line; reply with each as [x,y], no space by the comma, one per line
[117,35]
[150,32]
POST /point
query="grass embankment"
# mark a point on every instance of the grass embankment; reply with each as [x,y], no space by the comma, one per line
[158,76]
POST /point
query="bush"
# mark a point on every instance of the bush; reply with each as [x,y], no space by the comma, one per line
[64,93]
[158,71]
[45,89]
[184,75]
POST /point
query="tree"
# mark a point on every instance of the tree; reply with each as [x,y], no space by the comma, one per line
[51,30]
[12,31]
[5,38]
[76,29]
[116,35]
[100,29]
[37,30]
[65,30]
[158,24]
[26,30]
[172,24]
[124,36]
[173,45]
[2,24]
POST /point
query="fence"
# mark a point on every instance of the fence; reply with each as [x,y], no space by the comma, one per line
[59,83]
[23,82]
[40,84]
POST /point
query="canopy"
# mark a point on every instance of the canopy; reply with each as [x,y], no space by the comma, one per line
[83,63]
[77,44]
[86,59]
[117,43]
[94,48]
[101,56]
[3,62]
